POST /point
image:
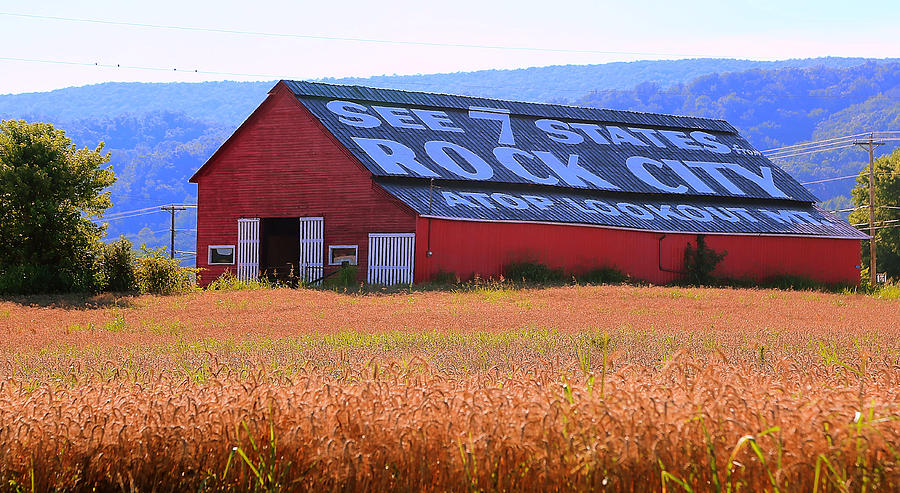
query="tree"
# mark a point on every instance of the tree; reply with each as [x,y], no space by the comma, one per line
[49,191]
[700,262]
[887,208]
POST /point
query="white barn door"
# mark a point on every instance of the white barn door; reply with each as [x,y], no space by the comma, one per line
[391,258]
[248,249]
[312,247]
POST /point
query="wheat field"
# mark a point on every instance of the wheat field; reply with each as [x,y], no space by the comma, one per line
[610,388]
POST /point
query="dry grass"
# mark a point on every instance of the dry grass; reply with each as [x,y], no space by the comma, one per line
[585,388]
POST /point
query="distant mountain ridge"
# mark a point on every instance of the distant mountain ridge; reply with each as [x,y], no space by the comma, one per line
[159,134]
[229,102]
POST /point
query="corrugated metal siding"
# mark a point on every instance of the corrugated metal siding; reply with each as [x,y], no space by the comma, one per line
[474,248]
[571,207]
[282,164]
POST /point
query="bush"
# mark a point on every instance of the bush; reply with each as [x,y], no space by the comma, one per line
[229,282]
[602,275]
[786,281]
[700,262]
[345,277]
[118,264]
[530,271]
[42,279]
[158,274]
[444,277]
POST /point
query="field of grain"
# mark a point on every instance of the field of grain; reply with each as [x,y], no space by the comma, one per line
[617,388]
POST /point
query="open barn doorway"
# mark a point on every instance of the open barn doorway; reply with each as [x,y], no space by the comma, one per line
[279,248]
[290,249]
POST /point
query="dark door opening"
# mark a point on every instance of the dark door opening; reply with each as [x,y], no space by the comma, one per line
[279,248]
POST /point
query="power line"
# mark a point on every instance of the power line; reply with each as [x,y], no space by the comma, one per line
[349,38]
[783,156]
[776,149]
[830,179]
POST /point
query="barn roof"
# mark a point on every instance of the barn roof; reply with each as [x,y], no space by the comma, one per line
[486,156]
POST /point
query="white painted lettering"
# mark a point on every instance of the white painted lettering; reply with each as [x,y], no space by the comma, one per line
[665,211]
[635,211]
[688,176]
[618,135]
[437,120]
[454,200]
[498,115]
[638,167]
[602,207]
[743,213]
[572,173]
[393,157]
[712,169]
[509,201]
[352,114]
[437,150]
[482,198]
[724,214]
[582,208]
[681,140]
[808,217]
[649,134]
[559,131]
[507,157]
[695,213]
[592,131]
[709,142]
[764,180]
[398,117]
[542,203]
[781,216]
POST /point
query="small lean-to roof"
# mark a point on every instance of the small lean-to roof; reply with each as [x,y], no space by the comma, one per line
[476,150]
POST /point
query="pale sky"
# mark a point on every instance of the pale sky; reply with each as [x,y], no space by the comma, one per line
[38,53]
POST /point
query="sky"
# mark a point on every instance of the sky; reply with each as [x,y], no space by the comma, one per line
[53,44]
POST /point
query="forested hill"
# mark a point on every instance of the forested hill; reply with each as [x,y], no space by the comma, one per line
[159,134]
[774,108]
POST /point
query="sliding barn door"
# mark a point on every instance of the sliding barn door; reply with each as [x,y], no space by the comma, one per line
[248,249]
[391,258]
[312,247]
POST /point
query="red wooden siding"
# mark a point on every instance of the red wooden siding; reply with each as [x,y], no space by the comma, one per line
[467,248]
[282,163]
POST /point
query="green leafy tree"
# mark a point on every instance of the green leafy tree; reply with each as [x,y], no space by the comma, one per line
[887,203]
[700,262]
[49,191]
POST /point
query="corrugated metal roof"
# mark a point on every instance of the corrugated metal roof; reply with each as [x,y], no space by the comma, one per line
[481,202]
[400,133]
[545,110]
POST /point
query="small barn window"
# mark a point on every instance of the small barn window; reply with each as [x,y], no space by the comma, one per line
[338,254]
[221,254]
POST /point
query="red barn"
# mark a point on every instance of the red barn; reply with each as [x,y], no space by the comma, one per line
[409,184]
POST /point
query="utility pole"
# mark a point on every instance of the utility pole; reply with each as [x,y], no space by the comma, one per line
[869,144]
[172,209]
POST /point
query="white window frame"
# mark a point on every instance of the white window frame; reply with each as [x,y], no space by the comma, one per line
[233,254]
[332,247]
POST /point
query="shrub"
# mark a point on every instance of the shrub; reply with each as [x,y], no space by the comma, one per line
[41,279]
[602,275]
[158,274]
[531,271]
[345,277]
[118,263]
[444,277]
[700,262]
[229,282]
[787,281]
